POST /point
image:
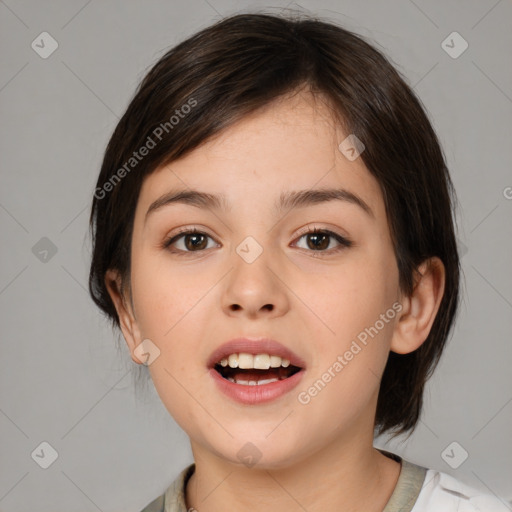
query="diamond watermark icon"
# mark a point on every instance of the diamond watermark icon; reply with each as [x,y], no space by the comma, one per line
[249,250]
[351,147]
[146,352]
[454,455]
[249,454]
[44,250]
[44,45]
[454,45]
[44,455]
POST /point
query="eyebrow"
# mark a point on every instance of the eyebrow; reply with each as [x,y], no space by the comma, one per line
[287,200]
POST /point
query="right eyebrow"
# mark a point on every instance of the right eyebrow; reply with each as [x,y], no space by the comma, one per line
[190,197]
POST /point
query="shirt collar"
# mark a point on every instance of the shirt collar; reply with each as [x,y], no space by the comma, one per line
[405,494]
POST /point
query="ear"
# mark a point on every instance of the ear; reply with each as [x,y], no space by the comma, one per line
[420,309]
[124,308]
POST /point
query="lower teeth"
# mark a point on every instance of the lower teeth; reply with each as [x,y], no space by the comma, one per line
[252,382]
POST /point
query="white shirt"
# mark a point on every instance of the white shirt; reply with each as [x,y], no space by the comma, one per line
[441,492]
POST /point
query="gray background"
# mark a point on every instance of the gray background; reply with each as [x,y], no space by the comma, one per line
[62,379]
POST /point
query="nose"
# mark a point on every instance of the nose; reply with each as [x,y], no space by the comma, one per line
[254,289]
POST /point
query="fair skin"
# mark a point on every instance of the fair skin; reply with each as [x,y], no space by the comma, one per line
[317,456]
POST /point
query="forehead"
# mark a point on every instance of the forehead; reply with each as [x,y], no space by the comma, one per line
[289,145]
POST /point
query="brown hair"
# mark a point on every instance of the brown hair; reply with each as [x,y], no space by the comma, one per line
[244,62]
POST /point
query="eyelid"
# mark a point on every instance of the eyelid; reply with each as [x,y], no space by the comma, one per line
[312,228]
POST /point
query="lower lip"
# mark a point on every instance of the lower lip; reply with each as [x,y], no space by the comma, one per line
[253,395]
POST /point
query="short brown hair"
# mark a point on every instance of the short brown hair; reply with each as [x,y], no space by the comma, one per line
[244,62]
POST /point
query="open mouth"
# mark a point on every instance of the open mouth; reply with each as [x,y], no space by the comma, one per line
[256,376]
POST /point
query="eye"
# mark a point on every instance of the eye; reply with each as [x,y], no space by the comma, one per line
[193,240]
[319,240]
[187,240]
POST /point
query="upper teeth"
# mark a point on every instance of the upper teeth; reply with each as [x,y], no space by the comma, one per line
[259,361]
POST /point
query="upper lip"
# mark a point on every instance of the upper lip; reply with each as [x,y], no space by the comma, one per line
[254,346]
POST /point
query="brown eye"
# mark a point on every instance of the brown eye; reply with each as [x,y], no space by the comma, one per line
[320,240]
[188,241]
[195,241]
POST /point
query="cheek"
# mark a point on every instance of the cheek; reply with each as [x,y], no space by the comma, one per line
[354,303]
[165,295]
[352,294]
[170,309]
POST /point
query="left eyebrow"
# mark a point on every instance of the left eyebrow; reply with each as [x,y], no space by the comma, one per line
[302,198]
[287,200]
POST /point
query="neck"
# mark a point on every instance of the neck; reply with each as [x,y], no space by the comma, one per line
[347,474]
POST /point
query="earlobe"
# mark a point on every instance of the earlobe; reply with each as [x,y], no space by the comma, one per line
[420,309]
[127,320]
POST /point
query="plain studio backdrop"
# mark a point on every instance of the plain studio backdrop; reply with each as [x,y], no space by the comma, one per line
[68,71]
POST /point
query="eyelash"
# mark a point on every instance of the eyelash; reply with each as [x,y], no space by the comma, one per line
[343,241]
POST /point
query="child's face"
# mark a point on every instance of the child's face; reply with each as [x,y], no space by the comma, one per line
[315,303]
